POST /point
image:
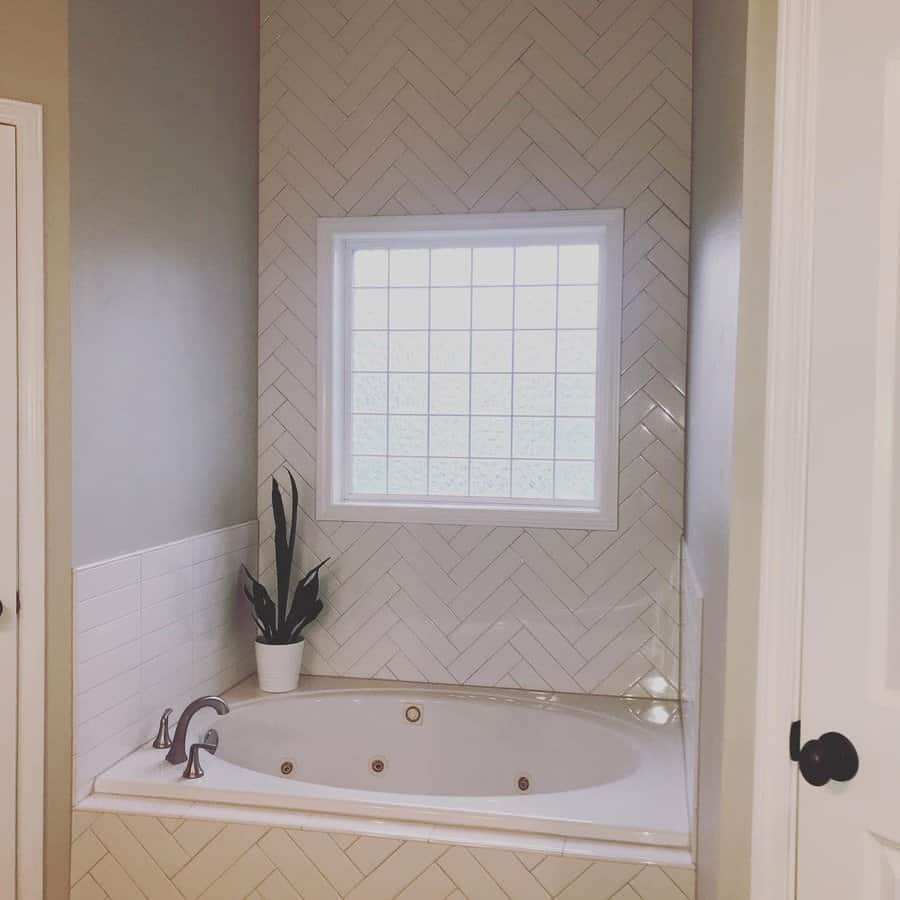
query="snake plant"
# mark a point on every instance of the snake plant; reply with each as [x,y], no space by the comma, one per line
[282,621]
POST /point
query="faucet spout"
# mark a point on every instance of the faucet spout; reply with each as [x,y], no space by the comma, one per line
[177,752]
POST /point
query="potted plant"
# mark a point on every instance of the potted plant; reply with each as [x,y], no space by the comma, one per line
[279,643]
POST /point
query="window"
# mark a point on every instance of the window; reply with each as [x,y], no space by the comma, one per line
[468,368]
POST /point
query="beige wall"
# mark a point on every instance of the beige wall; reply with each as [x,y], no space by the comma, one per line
[34,67]
[735,44]
[716,208]
[747,474]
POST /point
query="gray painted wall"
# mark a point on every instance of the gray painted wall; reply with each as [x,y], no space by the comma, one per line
[164,109]
[720,31]
[734,79]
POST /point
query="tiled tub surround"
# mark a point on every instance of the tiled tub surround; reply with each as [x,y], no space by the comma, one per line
[156,629]
[404,106]
[166,856]
[604,773]
[243,833]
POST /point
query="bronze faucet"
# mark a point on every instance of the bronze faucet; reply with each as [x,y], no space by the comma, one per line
[177,752]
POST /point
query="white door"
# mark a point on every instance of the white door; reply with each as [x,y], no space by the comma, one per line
[8,511]
[849,831]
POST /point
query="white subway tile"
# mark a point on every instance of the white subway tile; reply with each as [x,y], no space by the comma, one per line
[106,695]
[88,765]
[223,566]
[165,639]
[215,593]
[105,577]
[214,618]
[107,637]
[152,630]
[205,644]
[161,614]
[95,731]
[229,676]
[107,607]
[107,665]
[174,690]
[158,669]
[217,662]
[162,587]
[228,540]
[166,559]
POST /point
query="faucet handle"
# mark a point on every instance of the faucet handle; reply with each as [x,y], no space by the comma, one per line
[193,769]
[163,739]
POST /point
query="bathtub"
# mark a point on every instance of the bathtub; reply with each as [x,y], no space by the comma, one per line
[520,765]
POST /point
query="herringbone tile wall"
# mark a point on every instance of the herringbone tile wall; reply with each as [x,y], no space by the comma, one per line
[136,857]
[409,106]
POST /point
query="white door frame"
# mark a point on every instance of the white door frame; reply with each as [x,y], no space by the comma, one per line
[785,456]
[26,118]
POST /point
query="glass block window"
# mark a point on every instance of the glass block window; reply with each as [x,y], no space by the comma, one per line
[478,369]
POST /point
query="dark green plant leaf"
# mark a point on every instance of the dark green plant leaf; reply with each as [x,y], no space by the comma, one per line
[259,625]
[283,554]
[311,615]
[306,605]
[262,607]
[282,622]
[263,602]
[295,503]
[254,615]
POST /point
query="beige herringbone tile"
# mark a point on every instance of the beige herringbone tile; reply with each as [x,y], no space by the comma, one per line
[242,878]
[212,861]
[86,852]
[114,881]
[390,106]
[156,839]
[134,860]
[87,889]
[248,863]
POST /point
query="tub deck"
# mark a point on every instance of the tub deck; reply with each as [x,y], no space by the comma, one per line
[641,815]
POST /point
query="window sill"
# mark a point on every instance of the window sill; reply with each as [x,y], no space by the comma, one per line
[451,514]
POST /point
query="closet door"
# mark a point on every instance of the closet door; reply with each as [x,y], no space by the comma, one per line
[8,512]
[849,760]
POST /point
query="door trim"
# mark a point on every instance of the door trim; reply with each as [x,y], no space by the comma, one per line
[774,832]
[27,120]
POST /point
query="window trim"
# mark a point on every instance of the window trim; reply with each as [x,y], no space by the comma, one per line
[334,237]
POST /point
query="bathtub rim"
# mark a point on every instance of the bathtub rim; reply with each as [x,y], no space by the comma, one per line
[137,784]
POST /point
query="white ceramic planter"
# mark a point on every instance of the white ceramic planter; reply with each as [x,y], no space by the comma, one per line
[278,666]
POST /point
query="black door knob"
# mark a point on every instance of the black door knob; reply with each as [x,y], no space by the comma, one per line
[830,758]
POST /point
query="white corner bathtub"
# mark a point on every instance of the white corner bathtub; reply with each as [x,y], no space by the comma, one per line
[569,768]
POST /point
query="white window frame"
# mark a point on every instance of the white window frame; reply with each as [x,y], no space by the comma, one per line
[335,240]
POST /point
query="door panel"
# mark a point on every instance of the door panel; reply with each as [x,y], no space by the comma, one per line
[881,879]
[849,832]
[8,511]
